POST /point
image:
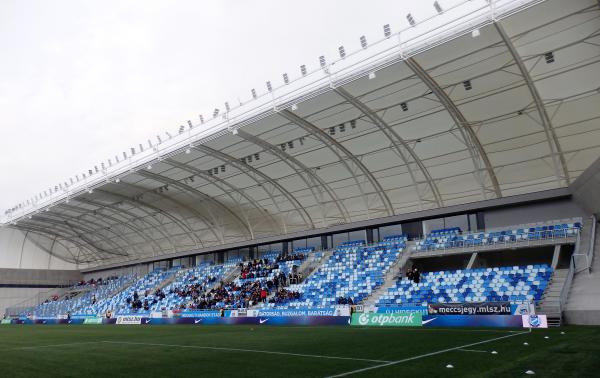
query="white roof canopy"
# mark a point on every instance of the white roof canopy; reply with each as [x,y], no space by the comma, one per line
[511,111]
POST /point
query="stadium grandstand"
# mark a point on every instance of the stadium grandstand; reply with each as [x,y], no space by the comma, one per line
[458,164]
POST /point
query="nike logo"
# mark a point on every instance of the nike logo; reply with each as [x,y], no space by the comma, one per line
[197,321]
[427,321]
[69,322]
[43,322]
[261,321]
[148,321]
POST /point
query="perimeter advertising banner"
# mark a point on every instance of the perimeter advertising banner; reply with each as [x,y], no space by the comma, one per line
[403,319]
[535,321]
[92,321]
[501,321]
[473,308]
[129,319]
[5,321]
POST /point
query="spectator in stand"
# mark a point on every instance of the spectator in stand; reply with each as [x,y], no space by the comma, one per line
[416,276]
[409,274]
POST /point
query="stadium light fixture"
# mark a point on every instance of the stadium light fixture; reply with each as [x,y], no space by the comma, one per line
[149,167]
[269,86]
[253,91]
[363,42]
[227,108]
[387,32]
[411,19]
[372,75]
[190,124]
[201,119]
[475,33]
[438,7]
[404,106]
[215,112]
[90,191]
[158,138]
[322,61]
[117,180]
[303,70]
[181,129]
[286,79]
[342,52]
[294,107]
[188,150]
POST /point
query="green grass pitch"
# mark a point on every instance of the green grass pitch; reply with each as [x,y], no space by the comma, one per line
[245,351]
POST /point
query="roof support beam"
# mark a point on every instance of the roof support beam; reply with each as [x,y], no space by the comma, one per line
[343,153]
[100,226]
[255,174]
[142,205]
[305,173]
[91,251]
[558,158]
[70,232]
[82,233]
[404,150]
[226,187]
[481,162]
[204,197]
[102,209]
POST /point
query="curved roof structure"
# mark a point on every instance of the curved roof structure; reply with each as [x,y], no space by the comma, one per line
[502,102]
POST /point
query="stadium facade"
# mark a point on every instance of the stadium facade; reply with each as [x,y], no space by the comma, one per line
[484,118]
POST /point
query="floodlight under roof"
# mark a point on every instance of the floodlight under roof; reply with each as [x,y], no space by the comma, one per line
[342,52]
[215,113]
[322,61]
[227,108]
[253,91]
[303,70]
[411,19]
[286,79]
[269,87]
[363,42]
[438,7]
[387,32]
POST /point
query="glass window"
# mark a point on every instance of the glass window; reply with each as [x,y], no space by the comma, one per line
[461,221]
[357,235]
[395,229]
[339,239]
[432,224]
[314,242]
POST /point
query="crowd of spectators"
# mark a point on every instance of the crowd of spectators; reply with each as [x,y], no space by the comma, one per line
[99,281]
[345,301]
[282,295]
[413,275]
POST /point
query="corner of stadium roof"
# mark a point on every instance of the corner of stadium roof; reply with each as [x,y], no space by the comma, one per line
[490,99]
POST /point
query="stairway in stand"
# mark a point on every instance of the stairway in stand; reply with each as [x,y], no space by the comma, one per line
[550,302]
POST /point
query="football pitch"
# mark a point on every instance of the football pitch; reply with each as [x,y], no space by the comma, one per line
[271,351]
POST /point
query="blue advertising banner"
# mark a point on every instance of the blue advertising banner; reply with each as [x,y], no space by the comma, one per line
[269,320]
[508,321]
[201,314]
[396,310]
[297,312]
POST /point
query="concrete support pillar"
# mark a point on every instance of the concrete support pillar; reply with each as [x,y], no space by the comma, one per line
[556,256]
[472,260]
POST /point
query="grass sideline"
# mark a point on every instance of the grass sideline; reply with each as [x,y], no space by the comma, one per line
[271,351]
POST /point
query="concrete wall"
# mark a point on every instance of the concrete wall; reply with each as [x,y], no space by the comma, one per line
[18,251]
[586,189]
[531,213]
[22,297]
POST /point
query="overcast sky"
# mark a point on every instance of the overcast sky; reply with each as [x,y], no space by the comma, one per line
[81,81]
